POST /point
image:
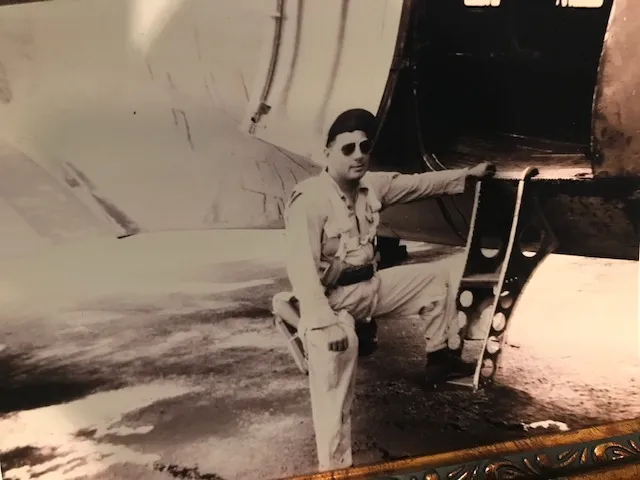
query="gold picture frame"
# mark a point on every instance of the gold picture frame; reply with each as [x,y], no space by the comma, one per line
[194,119]
[610,451]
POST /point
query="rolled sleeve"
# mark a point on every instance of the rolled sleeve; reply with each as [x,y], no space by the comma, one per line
[395,187]
[304,224]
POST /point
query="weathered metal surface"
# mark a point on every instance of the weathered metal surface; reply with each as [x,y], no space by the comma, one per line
[38,210]
[152,125]
[591,217]
[616,110]
[398,63]
[323,58]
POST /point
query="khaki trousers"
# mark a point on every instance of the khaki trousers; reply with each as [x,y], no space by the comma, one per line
[406,290]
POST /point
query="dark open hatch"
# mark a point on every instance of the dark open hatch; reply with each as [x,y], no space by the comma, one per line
[512,83]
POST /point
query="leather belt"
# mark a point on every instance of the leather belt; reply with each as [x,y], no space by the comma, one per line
[356,275]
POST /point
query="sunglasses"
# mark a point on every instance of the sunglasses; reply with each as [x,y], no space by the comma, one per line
[349,148]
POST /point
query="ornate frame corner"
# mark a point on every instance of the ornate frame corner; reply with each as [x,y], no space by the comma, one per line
[605,451]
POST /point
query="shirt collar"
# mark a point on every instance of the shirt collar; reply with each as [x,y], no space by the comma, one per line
[362,185]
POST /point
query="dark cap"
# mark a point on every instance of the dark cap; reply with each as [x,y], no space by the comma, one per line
[350,121]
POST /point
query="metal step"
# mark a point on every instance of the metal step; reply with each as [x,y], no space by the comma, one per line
[481,280]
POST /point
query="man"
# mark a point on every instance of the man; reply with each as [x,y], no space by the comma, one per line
[331,221]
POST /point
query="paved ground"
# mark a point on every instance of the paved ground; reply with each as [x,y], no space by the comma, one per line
[153,358]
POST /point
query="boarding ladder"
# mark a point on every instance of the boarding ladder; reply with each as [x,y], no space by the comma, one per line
[508,219]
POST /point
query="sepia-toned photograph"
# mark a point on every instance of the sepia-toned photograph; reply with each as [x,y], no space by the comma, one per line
[273,238]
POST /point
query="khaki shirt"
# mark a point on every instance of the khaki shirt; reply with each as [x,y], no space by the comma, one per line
[325,233]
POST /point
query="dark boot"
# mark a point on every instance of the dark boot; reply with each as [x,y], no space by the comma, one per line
[367,337]
[445,365]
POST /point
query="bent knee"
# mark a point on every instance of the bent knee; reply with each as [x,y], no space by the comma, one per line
[282,301]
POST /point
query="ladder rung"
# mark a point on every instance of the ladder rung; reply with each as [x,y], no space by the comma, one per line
[481,279]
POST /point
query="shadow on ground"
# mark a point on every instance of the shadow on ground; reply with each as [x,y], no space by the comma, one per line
[30,384]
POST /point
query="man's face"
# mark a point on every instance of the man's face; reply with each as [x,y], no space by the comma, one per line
[348,156]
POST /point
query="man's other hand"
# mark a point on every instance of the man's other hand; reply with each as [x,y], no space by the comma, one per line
[482,170]
[336,338]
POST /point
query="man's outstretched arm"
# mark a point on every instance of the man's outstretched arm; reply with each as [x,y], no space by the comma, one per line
[393,188]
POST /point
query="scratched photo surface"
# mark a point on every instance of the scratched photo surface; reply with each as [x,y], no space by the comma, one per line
[142,242]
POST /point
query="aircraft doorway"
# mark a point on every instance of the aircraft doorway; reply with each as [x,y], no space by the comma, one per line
[501,80]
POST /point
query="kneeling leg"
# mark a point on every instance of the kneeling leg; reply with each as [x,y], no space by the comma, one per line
[331,385]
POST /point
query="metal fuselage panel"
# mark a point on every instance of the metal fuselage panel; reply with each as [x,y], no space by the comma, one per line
[141,106]
[616,115]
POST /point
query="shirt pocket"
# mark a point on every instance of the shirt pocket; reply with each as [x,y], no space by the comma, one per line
[333,229]
[372,219]
[337,225]
[336,238]
[372,210]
